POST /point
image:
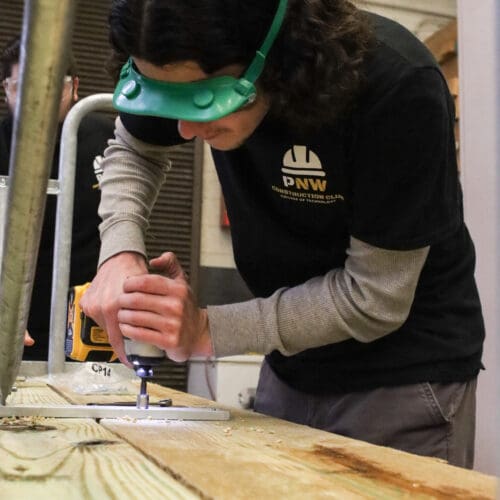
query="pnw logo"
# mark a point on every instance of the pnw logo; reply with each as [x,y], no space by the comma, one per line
[304,179]
[303,171]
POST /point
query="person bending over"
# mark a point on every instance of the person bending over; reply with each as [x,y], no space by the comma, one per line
[331,130]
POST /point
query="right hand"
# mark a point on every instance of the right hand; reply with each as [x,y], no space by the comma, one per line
[100,301]
[160,309]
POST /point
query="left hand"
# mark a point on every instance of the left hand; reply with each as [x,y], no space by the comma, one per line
[28,339]
[160,309]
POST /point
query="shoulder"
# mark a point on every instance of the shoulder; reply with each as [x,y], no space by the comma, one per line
[404,45]
[420,95]
[406,92]
[398,62]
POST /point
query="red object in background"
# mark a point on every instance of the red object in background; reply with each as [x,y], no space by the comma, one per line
[224,219]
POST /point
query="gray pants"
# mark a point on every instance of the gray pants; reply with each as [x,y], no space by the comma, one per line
[436,420]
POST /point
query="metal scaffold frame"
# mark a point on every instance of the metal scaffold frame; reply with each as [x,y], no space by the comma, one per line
[43,60]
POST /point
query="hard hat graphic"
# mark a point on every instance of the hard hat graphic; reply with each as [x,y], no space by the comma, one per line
[300,160]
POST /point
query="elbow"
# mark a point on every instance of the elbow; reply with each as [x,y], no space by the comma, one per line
[379,325]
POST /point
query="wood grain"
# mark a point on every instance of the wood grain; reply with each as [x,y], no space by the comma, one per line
[43,458]
[251,456]
[272,458]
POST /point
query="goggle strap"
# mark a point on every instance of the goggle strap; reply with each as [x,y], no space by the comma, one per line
[255,69]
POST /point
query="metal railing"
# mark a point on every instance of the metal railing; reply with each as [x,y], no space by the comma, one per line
[64,224]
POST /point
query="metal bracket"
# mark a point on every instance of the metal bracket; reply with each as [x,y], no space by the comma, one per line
[98,412]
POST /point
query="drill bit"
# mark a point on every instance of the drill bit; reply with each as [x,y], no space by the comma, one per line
[143,357]
[143,396]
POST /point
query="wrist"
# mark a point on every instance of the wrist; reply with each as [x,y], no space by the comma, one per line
[125,259]
[204,345]
[123,236]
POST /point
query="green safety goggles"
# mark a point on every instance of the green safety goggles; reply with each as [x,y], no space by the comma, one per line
[199,101]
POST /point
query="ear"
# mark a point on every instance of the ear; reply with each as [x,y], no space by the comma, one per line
[4,85]
[76,83]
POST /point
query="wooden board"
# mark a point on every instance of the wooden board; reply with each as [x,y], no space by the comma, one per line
[43,458]
[251,456]
[276,459]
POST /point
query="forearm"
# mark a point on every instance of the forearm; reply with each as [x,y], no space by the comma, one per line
[133,172]
[369,298]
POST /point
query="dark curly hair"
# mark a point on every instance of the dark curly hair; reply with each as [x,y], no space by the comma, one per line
[312,73]
[11,55]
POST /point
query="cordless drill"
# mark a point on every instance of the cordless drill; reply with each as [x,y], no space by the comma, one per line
[86,341]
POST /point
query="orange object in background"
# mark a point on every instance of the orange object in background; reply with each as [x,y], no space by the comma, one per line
[224,219]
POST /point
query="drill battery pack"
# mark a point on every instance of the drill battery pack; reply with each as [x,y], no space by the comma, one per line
[85,340]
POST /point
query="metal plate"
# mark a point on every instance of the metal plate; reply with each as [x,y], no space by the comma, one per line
[84,411]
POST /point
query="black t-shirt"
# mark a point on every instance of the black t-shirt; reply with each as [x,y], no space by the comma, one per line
[93,134]
[387,175]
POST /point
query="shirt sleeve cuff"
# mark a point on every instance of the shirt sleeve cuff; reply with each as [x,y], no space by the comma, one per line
[124,236]
[232,336]
[229,337]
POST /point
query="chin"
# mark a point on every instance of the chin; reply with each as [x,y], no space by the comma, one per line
[224,144]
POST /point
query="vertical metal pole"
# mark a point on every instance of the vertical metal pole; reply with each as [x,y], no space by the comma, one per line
[497,228]
[64,224]
[46,37]
[496,394]
[3,208]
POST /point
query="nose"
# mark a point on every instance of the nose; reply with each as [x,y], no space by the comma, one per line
[189,130]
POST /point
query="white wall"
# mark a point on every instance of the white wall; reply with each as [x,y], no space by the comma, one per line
[421,17]
[479,62]
[216,248]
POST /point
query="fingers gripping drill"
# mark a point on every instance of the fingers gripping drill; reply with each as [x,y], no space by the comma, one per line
[86,341]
